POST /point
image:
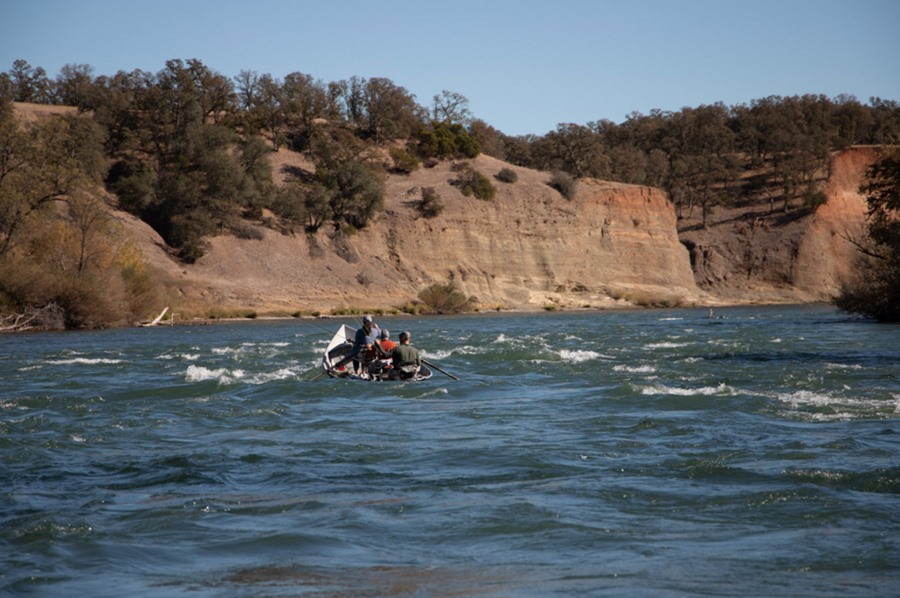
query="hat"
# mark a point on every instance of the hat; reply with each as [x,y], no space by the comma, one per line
[367,319]
[385,333]
[404,335]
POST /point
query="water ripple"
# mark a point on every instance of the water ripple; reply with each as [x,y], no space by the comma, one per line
[636,453]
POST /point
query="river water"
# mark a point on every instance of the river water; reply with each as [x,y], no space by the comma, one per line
[644,453]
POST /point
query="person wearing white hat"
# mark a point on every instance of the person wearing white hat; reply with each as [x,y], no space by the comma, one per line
[363,342]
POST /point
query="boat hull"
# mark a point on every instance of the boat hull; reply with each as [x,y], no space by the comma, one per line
[380,370]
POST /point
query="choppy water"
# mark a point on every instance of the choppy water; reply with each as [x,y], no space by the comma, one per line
[652,453]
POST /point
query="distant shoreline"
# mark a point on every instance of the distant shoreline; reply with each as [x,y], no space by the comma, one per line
[211,321]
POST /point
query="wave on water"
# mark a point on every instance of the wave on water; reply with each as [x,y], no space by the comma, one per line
[198,373]
[663,389]
[882,480]
[84,361]
[579,355]
[181,356]
[516,342]
[829,407]
[268,349]
[436,354]
[463,350]
[666,345]
[842,366]
[436,392]
[635,369]
[263,377]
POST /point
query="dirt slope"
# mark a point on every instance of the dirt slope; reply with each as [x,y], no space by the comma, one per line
[528,248]
[754,255]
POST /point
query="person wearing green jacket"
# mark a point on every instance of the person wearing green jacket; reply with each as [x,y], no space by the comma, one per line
[405,358]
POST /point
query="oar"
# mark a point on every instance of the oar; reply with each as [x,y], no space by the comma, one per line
[317,376]
[319,328]
[448,374]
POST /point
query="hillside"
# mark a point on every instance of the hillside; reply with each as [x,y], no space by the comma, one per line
[752,254]
[615,245]
[529,248]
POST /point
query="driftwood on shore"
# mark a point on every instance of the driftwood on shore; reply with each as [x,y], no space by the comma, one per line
[49,317]
[158,318]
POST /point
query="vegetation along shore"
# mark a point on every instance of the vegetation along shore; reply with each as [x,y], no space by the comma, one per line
[251,196]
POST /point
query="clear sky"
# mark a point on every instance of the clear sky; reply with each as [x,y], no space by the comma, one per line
[524,65]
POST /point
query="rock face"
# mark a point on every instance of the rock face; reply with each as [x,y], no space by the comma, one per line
[825,255]
[754,255]
[528,248]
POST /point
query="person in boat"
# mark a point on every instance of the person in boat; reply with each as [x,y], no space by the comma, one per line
[405,358]
[384,342]
[363,344]
[379,356]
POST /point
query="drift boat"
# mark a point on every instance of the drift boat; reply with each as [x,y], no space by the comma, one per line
[341,345]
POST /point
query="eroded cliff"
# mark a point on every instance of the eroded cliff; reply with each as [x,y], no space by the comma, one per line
[528,248]
[752,254]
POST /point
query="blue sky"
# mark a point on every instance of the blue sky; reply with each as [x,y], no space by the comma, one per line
[524,65]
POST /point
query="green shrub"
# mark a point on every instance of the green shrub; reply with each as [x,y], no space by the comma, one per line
[445,140]
[355,192]
[445,299]
[813,199]
[413,308]
[507,175]
[472,182]
[404,162]
[188,232]
[431,205]
[565,184]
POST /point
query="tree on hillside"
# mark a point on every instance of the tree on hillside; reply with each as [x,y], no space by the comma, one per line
[346,187]
[491,141]
[791,139]
[177,169]
[303,100]
[61,260]
[886,126]
[256,185]
[700,151]
[378,107]
[247,89]
[29,84]
[574,149]
[354,191]
[451,108]
[42,163]
[391,111]
[113,102]
[216,92]
[446,140]
[74,85]
[876,293]
[852,122]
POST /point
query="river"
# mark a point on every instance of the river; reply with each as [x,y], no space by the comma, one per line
[622,453]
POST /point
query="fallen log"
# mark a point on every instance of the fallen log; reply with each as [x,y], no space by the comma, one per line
[158,318]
